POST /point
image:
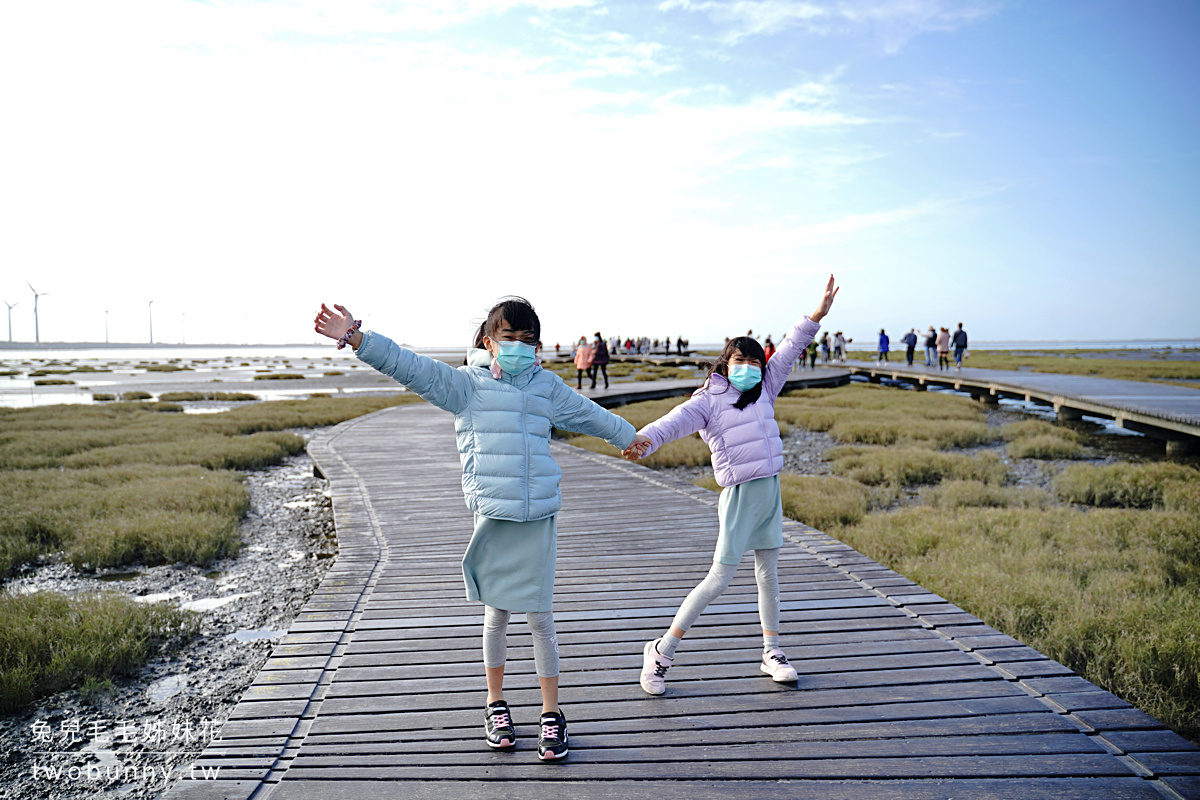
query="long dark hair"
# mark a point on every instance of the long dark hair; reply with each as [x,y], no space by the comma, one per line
[750,348]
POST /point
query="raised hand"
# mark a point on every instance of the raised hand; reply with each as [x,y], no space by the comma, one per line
[826,301]
[639,445]
[333,324]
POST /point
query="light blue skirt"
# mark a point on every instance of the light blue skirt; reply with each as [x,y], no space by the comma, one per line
[751,517]
[510,565]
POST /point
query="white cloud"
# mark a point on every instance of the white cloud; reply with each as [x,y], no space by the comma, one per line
[894,22]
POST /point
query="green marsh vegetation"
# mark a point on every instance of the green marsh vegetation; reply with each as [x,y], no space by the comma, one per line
[1099,569]
[105,485]
[49,642]
[120,483]
[223,397]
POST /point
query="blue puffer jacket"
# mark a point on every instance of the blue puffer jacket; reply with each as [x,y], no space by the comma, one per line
[502,425]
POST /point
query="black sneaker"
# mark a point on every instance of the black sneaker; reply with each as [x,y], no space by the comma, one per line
[497,722]
[552,743]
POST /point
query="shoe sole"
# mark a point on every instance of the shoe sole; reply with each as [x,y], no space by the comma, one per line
[504,743]
[551,756]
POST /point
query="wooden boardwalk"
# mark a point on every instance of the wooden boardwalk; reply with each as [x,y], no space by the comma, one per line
[377,691]
[1160,410]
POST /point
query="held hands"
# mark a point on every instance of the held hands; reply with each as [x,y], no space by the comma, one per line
[826,301]
[637,448]
[334,324]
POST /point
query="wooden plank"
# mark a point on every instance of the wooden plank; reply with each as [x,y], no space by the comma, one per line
[919,789]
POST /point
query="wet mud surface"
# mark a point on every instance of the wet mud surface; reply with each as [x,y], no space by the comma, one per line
[142,736]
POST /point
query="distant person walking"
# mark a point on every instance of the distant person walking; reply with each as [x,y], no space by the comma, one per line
[583,360]
[825,347]
[910,345]
[959,342]
[599,360]
[769,348]
[812,355]
[930,347]
[943,349]
[884,343]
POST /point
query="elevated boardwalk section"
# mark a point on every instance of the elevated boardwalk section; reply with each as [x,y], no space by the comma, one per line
[1162,411]
[619,394]
[377,690]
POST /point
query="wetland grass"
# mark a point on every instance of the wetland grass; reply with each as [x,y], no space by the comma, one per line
[49,642]
[102,486]
[221,397]
[119,484]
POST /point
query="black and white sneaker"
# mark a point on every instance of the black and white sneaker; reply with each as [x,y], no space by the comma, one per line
[552,743]
[497,722]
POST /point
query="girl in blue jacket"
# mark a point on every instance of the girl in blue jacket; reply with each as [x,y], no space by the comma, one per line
[504,409]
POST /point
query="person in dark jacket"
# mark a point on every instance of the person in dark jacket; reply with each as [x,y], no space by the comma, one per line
[599,359]
[910,344]
[959,342]
[884,343]
[930,347]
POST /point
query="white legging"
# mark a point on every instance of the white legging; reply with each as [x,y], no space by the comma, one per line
[545,642]
[766,574]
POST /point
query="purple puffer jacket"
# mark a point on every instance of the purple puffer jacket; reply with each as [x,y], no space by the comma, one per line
[745,442]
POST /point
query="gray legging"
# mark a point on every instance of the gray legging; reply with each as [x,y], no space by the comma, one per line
[545,642]
[766,574]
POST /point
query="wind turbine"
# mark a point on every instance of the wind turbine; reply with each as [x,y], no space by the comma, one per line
[36,337]
[150,306]
[11,306]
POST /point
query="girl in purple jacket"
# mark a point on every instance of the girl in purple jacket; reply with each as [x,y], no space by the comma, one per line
[734,412]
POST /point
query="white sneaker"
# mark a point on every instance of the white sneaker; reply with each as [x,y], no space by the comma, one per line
[775,664]
[654,668]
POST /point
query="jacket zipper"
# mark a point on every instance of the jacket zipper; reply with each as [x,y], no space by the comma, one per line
[525,439]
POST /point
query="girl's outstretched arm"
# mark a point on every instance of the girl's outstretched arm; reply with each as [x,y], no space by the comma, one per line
[439,383]
[683,420]
[803,332]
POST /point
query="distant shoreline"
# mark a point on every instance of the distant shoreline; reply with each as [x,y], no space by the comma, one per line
[1019,344]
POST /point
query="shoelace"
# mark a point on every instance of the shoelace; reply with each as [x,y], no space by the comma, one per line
[660,669]
[549,731]
[500,720]
[780,659]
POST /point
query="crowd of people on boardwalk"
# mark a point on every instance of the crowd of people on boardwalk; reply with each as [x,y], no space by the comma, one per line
[505,407]
[591,358]
[641,346]
[937,343]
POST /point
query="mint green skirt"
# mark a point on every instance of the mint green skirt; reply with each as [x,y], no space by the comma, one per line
[751,517]
[510,565]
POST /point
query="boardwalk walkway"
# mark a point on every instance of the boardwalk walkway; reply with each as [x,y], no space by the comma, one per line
[1160,410]
[377,690]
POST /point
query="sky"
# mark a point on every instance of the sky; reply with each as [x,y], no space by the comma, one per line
[677,168]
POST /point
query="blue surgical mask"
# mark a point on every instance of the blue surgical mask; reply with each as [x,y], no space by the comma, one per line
[514,357]
[744,376]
